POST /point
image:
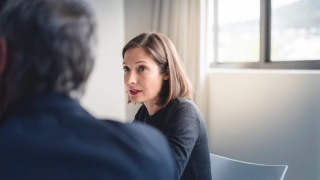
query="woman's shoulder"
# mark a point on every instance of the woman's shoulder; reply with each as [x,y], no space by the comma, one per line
[184,107]
[184,103]
[187,112]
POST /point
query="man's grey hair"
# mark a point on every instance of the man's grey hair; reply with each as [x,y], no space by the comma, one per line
[50,46]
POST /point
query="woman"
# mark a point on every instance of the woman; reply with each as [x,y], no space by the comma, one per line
[154,76]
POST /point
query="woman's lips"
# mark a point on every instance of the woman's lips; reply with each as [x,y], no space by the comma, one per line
[134,92]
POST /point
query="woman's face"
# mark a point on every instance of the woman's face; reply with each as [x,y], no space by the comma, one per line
[142,77]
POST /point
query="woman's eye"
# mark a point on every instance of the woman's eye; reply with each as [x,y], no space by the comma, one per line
[142,68]
[125,68]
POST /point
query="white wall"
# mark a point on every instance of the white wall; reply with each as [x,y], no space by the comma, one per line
[138,19]
[105,95]
[267,117]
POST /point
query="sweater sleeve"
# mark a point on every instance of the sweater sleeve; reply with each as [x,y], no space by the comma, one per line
[183,133]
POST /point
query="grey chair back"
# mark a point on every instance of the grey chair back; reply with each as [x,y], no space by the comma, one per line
[223,168]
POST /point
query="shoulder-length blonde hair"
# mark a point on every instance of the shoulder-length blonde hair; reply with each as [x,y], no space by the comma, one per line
[165,55]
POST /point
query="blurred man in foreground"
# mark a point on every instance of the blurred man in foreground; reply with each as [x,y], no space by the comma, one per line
[46,56]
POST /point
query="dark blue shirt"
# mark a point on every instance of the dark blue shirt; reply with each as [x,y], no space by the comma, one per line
[50,136]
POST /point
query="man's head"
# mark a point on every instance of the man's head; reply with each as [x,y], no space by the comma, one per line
[45,45]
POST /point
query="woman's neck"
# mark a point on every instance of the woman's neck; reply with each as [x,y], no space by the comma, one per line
[152,108]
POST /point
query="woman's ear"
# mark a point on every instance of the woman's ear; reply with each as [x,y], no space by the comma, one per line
[166,75]
[3,54]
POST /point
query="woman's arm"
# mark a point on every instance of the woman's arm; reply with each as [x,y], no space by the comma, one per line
[182,133]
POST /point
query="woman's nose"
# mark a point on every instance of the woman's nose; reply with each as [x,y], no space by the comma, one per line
[132,78]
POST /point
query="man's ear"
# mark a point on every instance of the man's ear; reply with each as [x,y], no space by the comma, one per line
[3,54]
[166,75]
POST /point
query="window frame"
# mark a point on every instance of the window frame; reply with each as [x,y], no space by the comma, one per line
[265,46]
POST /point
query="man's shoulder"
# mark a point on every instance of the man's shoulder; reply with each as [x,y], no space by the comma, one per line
[146,144]
[137,150]
[137,132]
[137,136]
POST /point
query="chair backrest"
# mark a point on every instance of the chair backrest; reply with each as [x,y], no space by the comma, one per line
[223,168]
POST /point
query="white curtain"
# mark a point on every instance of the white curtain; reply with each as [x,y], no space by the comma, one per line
[184,22]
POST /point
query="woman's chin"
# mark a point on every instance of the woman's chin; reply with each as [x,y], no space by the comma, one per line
[133,100]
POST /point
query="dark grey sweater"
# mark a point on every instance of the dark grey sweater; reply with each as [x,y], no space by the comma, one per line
[183,125]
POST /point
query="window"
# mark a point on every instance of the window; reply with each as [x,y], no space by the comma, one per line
[280,34]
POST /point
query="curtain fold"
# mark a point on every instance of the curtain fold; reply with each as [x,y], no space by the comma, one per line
[183,22]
